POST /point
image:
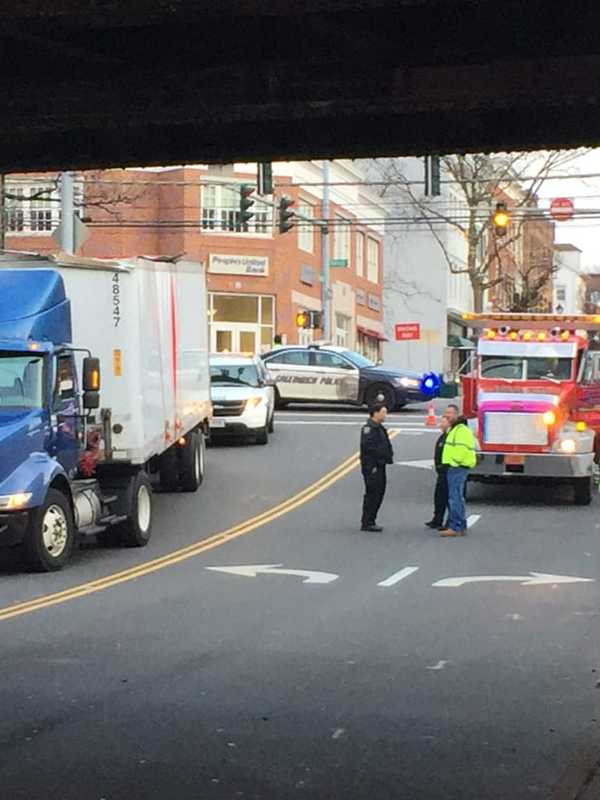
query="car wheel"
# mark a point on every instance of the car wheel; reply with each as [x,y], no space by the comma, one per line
[262,435]
[381,393]
[279,403]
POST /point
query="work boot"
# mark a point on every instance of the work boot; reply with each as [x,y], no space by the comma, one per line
[448,532]
[372,528]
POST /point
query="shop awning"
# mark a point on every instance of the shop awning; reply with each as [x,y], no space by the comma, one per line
[371,333]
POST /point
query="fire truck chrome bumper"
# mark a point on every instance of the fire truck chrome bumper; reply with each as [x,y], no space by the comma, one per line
[537,465]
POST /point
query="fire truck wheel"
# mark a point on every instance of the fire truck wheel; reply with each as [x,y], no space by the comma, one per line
[583,491]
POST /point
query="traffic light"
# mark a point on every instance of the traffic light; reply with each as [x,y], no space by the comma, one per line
[286,213]
[309,319]
[246,203]
[265,178]
[501,219]
[302,319]
[432,176]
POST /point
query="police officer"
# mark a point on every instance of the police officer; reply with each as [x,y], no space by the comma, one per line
[375,452]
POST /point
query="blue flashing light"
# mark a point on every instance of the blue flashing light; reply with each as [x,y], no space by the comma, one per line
[430,384]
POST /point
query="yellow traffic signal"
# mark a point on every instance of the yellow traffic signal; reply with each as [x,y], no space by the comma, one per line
[301,319]
[501,219]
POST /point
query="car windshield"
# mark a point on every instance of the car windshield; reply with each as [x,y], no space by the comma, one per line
[520,368]
[358,360]
[21,381]
[234,374]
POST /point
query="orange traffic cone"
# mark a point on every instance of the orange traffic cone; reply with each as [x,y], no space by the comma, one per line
[430,419]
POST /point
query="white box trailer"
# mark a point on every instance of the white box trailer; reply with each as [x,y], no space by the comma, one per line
[145,320]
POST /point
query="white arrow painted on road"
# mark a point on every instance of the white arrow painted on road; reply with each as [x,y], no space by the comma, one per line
[533,579]
[252,570]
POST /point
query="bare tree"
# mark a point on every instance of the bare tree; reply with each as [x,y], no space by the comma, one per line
[478,182]
[97,191]
[534,282]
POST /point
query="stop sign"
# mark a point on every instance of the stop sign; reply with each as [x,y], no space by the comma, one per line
[561,209]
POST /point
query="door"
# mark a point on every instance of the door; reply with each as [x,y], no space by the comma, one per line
[589,390]
[337,377]
[66,421]
[293,375]
[234,337]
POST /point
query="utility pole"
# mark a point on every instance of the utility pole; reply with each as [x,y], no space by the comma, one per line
[326,290]
[67,213]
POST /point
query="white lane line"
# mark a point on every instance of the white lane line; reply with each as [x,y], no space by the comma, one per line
[336,423]
[398,576]
[338,732]
[440,665]
[472,519]
[425,463]
[358,416]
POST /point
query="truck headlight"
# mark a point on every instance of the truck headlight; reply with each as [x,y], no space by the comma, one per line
[568,446]
[12,502]
[254,401]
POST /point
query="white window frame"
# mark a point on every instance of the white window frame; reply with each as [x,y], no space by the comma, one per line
[306,231]
[360,254]
[27,217]
[341,238]
[221,216]
[372,263]
[561,289]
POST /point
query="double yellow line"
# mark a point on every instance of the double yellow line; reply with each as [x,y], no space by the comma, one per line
[156,564]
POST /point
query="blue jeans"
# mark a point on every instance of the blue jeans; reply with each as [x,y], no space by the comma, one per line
[457,477]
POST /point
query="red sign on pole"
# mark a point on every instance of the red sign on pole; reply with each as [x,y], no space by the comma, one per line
[562,209]
[407,330]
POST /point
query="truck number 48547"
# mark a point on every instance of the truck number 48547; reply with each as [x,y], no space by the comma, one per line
[116,299]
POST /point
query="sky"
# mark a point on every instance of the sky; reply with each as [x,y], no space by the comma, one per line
[585,194]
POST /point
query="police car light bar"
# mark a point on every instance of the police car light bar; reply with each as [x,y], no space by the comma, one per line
[537,322]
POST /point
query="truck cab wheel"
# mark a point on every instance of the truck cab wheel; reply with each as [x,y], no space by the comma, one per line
[191,457]
[50,534]
[136,530]
[583,491]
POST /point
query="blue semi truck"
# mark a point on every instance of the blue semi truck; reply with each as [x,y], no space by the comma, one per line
[78,458]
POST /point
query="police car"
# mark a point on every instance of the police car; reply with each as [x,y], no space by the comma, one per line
[329,374]
[243,397]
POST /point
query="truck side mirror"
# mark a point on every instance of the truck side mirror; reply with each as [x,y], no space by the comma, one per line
[91,383]
[91,374]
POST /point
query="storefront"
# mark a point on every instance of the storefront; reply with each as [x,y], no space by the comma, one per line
[241,323]
[368,343]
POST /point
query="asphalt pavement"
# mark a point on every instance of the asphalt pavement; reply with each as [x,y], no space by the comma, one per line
[303,658]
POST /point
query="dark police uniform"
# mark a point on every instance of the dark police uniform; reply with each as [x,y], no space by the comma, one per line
[440,498]
[375,452]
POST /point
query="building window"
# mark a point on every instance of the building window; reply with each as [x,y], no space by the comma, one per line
[305,229]
[32,208]
[221,211]
[342,330]
[373,260]
[360,254]
[341,239]
[561,294]
[305,336]
[242,322]
[368,346]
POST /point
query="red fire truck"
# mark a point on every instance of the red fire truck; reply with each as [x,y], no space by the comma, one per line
[533,399]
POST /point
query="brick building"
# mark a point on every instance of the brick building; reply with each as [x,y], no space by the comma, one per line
[258,279]
[524,268]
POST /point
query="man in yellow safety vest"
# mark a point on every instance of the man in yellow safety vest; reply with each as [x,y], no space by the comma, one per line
[459,456]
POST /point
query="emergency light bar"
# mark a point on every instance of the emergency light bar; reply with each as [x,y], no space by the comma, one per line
[534,321]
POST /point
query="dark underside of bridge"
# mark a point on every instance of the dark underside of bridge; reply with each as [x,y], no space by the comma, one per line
[90,83]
